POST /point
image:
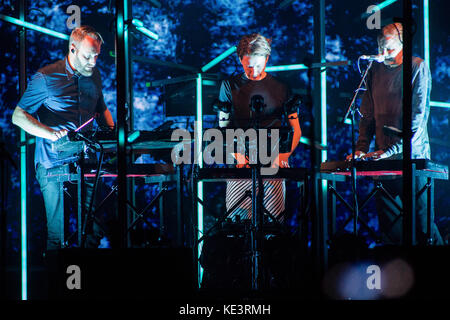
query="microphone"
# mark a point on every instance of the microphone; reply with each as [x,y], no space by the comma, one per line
[373,57]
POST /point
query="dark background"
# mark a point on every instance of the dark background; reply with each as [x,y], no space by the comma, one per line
[193,33]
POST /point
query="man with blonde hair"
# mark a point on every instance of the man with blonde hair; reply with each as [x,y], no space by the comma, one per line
[234,111]
[59,98]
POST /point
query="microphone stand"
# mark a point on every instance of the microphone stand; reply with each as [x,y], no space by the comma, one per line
[257,105]
[352,109]
[89,215]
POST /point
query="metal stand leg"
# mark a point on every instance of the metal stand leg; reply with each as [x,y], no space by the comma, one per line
[162,227]
[413,205]
[378,188]
[79,209]
[430,206]
[140,215]
[332,207]
[303,218]
[180,224]
[195,239]
[320,225]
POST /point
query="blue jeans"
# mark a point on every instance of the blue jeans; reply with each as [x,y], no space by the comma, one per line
[53,194]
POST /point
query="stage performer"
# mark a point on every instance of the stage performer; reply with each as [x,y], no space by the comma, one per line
[234,111]
[59,98]
[382,105]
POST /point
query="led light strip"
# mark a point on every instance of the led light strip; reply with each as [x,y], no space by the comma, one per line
[323,115]
[440,104]
[426,31]
[34,27]
[426,47]
[199,154]
[386,3]
[219,58]
[139,25]
[23,215]
[286,67]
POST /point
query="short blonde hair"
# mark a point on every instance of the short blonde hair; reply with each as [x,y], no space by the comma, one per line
[78,35]
[254,45]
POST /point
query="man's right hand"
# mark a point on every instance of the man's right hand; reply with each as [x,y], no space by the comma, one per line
[358,154]
[57,134]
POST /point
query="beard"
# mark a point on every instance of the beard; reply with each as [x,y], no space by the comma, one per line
[392,60]
[389,61]
[82,69]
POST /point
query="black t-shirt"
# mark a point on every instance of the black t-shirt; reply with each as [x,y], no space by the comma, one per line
[238,91]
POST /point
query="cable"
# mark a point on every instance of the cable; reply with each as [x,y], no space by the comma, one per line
[359,68]
[398,32]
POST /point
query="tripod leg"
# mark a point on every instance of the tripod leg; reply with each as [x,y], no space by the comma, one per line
[222,219]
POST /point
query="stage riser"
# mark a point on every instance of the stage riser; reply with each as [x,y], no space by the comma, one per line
[124,274]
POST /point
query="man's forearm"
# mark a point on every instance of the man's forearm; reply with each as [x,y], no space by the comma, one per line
[366,131]
[295,124]
[107,119]
[31,125]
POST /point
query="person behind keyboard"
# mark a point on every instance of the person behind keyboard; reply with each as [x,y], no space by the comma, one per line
[382,106]
[59,98]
